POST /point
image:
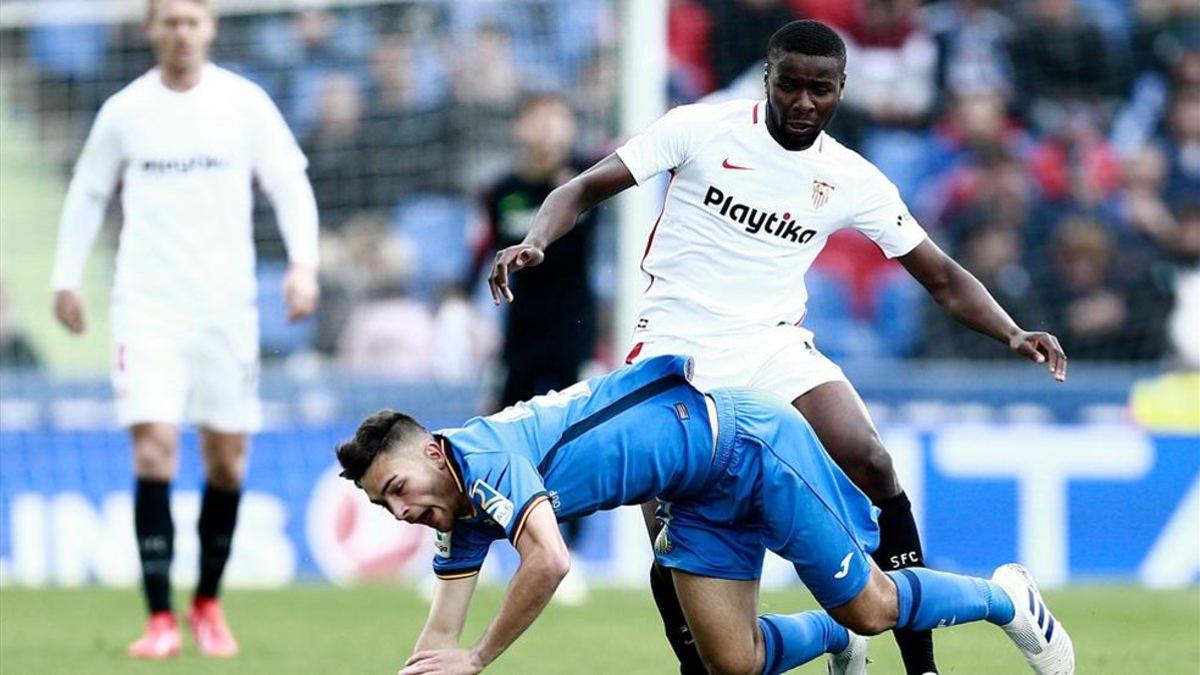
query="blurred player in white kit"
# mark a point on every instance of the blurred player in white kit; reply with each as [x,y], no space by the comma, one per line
[186,141]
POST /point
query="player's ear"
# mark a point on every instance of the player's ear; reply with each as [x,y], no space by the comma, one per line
[433,452]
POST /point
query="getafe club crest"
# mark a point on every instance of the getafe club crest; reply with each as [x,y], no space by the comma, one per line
[820,193]
[495,504]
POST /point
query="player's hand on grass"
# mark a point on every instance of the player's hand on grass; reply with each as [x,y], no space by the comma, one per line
[301,293]
[1041,347]
[68,309]
[442,662]
[510,260]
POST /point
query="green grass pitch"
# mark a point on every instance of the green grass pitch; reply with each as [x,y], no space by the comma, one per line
[1117,631]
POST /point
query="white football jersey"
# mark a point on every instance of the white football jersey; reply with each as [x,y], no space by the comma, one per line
[185,162]
[743,219]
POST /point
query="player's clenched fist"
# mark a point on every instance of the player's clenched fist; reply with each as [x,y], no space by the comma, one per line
[510,260]
[300,292]
[68,309]
[442,662]
[1041,347]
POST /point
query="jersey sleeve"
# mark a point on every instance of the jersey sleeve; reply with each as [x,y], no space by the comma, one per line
[280,166]
[460,552]
[666,144]
[96,173]
[885,218]
[103,155]
[505,487]
[274,149]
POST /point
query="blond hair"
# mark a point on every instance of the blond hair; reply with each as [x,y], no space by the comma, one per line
[152,5]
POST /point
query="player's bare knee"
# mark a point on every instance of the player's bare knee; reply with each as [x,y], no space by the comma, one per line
[224,459]
[225,476]
[862,618]
[155,454]
[873,624]
[874,472]
[732,662]
[225,471]
[874,610]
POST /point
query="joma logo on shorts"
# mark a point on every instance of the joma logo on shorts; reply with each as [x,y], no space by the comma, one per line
[755,221]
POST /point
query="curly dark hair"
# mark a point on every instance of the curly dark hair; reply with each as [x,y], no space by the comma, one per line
[811,38]
[377,434]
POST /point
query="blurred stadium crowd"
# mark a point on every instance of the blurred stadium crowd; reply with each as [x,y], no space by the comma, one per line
[1052,146]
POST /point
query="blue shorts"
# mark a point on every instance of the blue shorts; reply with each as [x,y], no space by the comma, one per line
[778,490]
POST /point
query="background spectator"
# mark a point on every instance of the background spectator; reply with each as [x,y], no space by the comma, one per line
[972,41]
[1062,63]
[335,149]
[551,332]
[890,68]
[1183,143]
[740,29]
[1102,312]
[993,252]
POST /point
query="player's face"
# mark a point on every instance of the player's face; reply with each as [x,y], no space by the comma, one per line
[802,95]
[547,132]
[181,33]
[415,487]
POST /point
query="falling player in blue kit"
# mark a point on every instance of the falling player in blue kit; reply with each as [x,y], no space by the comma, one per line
[737,473]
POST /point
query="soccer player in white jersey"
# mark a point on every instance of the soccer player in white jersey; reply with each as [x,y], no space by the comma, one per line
[757,187]
[185,141]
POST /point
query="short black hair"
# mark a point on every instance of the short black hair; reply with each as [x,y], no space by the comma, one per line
[808,37]
[375,435]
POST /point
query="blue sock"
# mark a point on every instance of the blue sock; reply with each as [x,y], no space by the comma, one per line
[799,638]
[930,599]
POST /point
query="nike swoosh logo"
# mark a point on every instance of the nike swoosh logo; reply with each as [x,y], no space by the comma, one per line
[845,566]
[727,165]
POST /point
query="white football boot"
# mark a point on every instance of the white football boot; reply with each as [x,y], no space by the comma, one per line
[852,660]
[1039,636]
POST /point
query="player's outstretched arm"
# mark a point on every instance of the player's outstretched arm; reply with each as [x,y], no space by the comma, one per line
[544,562]
[447,614]
[966,299]
[556,217]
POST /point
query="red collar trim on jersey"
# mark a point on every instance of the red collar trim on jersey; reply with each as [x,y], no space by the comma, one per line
[754,113]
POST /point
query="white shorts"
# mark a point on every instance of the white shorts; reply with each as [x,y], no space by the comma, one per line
[782,360]
[168,370]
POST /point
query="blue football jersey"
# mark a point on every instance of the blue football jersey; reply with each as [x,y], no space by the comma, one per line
[623,438]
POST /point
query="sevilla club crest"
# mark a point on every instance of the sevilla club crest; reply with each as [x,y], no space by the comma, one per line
[820,193]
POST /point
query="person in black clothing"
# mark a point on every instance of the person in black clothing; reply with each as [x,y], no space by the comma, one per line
[1061,61]
[1105,310]
[740,30]
[552,331]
